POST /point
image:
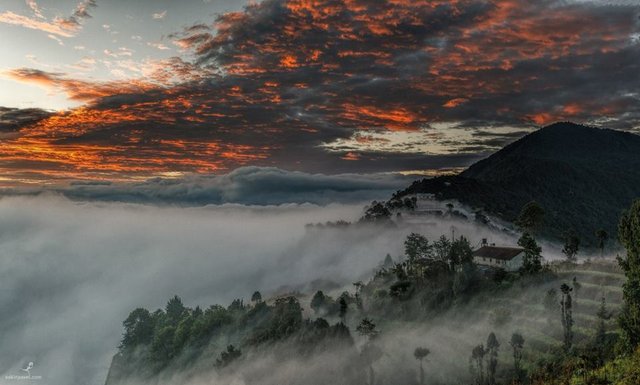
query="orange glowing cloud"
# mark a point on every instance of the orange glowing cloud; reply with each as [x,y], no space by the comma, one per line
[274,83]
[78,89]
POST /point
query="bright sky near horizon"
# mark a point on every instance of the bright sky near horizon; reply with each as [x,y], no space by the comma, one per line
[113,42]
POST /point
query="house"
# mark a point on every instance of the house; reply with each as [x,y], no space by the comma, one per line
[507,258]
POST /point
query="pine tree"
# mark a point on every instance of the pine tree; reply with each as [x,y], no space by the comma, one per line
[571,246]
[602,236]
[517,344]
[477,363]
[492,349]
[601,332]
[532,261]
[420,354]
[343,310]
[567,316]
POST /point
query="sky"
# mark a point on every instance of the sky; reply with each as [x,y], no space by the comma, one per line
[118,90]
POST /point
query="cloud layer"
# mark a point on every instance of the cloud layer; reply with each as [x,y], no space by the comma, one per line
[71,272]
[345,86]
[246,185]
[59,26]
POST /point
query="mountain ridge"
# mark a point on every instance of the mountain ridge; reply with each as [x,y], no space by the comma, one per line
[583,176]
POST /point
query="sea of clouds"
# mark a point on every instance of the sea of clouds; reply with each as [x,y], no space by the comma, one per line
[72,269]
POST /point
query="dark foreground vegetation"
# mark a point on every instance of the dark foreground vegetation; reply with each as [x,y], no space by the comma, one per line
[431,316]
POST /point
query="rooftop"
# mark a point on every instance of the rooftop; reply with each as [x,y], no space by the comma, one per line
[495,252]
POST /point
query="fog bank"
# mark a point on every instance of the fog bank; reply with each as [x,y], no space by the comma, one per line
[71,272]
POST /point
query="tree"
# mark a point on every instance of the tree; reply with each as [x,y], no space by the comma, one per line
[460,253]
[531,217]
[237,305]
[629,318]
[602,237]
[532,261]
[367,329]
[228,356]
[183,332]
[442,248]
[388,262]
[343,309]
[567,315]
[420,354]
[571,245]
[318,302]
[256,297]
[162,347]
[517,344]
[477,363]
[377,212]
[358,294]
[601,332]
[370,353]
[492,349]
[416,246]
[138,329]
[175,310]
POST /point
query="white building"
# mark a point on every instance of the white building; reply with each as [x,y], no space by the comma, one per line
[508,258]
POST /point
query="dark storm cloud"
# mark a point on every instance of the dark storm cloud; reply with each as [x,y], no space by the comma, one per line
[298,84]
[12,119]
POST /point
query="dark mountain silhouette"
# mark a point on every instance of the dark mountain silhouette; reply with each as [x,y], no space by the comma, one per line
[584,177]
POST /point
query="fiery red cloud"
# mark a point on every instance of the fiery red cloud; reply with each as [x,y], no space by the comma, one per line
[271,84]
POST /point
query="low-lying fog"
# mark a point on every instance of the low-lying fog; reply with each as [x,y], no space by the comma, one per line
[71,272]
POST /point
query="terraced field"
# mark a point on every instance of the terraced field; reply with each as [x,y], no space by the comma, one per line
[541,326]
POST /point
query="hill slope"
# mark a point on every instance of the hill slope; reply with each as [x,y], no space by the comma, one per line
[583,176]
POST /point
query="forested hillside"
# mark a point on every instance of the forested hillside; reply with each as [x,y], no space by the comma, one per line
[431,316]
[583,177]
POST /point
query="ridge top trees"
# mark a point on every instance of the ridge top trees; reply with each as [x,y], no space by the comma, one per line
[138,329]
